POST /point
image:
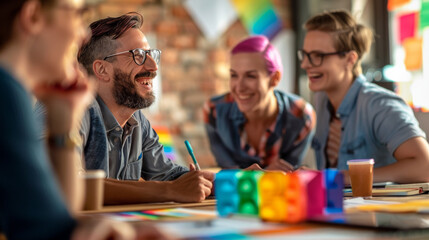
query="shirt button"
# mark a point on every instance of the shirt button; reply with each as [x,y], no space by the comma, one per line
[338,115]
[118,129]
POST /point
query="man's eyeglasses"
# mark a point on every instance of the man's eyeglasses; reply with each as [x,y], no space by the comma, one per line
[316,58]
[140,55]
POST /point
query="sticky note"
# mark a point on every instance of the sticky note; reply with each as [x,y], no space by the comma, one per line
[407,26]
[413,53]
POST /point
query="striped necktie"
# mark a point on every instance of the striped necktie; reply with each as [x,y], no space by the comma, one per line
[334,141]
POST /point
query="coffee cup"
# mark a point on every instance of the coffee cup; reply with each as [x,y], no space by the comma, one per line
[94,189]
[361,175]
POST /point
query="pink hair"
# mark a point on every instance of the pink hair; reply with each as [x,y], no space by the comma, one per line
[261,44]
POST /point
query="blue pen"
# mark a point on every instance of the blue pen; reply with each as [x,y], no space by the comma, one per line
[191,152]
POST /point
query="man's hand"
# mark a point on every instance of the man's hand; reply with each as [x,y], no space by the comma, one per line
[280,165]
[193,186]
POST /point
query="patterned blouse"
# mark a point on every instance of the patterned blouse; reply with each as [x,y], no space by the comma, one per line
[288,138]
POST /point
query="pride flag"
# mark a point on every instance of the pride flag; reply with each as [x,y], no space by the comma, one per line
[259,17]
[166,140]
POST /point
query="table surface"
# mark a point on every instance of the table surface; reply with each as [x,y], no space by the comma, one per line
[309,230]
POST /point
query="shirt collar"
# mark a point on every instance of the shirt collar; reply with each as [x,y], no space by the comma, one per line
[109,120]
[350,99]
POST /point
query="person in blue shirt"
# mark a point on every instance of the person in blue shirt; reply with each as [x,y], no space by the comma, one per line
[40,191]
[357,119]
[255,126]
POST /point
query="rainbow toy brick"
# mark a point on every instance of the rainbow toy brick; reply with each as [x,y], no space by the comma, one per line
[226,190]
[315,190]
[334,181]
[280,197]
[248,191]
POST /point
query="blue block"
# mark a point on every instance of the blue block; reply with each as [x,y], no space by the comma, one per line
[334,181]
[227,197]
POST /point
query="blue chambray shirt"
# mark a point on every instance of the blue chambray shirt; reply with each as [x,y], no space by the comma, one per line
[292,135]
[374,121]
[124,153]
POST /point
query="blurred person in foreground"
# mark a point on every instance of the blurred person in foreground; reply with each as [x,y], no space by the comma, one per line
[38,42]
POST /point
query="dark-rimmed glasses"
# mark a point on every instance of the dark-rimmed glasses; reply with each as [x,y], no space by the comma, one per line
[316,58]
[140,55]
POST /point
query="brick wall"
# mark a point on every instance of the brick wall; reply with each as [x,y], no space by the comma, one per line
[192,68]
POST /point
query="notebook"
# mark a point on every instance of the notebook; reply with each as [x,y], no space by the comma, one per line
[423,186]
[377,192]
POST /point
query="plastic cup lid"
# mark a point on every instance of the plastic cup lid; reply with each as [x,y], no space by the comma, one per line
[93,174]
[360,161]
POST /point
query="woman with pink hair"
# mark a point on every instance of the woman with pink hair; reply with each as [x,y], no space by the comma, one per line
[254,124]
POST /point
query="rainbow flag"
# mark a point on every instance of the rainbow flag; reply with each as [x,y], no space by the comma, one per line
[166,140]
[259,17]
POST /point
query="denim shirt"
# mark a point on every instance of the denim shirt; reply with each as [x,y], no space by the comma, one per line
[124,153]
[31,201]
[289,139]
[375,122]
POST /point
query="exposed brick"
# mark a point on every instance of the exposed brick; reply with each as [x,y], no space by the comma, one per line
[183,41]
[180,12]
[167,28]
[170,56]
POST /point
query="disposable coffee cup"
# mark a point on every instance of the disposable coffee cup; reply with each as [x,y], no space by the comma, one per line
[361,174]
[94,191]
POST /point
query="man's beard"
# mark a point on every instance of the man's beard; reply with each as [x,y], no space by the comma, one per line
[125,91]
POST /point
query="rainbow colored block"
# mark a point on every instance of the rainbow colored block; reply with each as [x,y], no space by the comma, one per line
[276,196]
[226,190]
[334,181]
[314,184]
[248,191]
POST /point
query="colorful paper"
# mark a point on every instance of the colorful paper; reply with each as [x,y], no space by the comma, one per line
[413,53]
[424,14]
[407,26]
[394,4]
[259,17]
[166,140]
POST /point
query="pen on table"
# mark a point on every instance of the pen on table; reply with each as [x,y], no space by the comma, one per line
[191,152]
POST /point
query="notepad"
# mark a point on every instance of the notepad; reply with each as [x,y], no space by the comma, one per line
[378,192]
[423,186]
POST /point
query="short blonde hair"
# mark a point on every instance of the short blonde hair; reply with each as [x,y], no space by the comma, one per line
[347,34]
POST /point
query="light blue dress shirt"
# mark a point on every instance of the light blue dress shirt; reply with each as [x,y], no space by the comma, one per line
[375,122]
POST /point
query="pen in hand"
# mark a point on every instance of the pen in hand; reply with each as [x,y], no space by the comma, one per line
[191,152]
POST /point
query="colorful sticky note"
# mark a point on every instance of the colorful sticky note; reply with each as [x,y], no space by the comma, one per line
[393,4]
[259,17]
[316,191]
[424,14]
[413,53]
[334,182]
[226,192]
[407,26]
